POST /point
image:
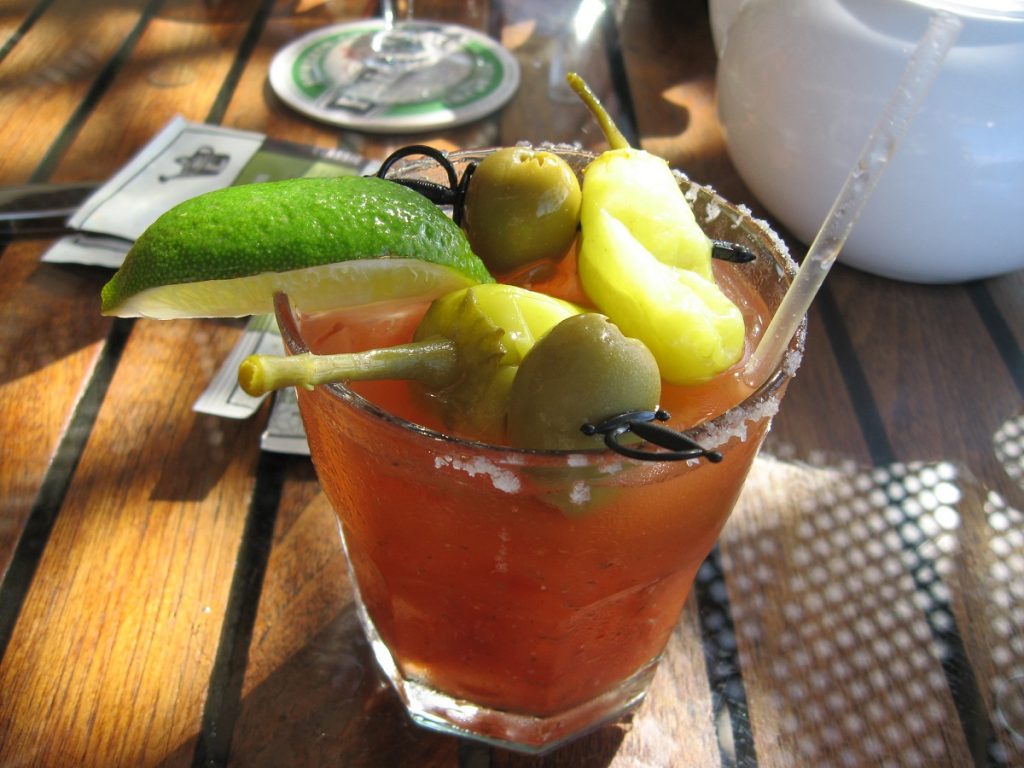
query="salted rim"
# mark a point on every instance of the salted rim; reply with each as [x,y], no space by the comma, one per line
[762,403]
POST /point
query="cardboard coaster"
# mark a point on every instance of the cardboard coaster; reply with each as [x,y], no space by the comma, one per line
[348,75]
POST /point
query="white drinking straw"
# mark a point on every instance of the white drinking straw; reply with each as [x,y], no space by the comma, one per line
[942,32]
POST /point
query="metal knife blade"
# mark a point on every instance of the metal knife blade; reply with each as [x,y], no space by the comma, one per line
[40,210]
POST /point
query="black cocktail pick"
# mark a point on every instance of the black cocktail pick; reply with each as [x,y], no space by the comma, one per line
[455,193]
[662,443]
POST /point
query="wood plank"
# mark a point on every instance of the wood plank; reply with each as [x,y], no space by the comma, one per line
[941,419]
[977,544]
[798,432]
[254,107]
[13,14]
[176,69]
[783,729]
[121,625]
[51,321]
[117,637]
[48,73]
[1008,294]
[930,416]
[307,582]
[60,301]
[308,650]
[822,599]
[835,649]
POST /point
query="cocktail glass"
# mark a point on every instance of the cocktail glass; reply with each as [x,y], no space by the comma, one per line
[400,42]
[516,597]
[407,59]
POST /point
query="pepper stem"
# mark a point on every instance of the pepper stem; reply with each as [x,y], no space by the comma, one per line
[611,131]
[432,362]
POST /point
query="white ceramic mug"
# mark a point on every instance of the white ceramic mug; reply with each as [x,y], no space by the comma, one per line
[802,82]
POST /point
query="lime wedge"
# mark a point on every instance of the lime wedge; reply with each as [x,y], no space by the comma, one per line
[327,243]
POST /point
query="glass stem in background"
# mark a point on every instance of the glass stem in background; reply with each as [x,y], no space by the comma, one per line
[925,63]
[395,11]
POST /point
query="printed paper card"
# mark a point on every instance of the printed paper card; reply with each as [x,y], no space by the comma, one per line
[185,160]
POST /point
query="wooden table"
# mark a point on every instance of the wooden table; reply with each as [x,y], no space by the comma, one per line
[173,596]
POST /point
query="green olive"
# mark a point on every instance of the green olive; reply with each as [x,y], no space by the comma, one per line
[582,371]
[522,205]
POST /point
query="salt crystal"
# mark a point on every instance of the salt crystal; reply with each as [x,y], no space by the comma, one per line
[501,479]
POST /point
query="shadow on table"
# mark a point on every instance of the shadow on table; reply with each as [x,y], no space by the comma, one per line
[313,694]
[330,705]
[54,315]
[878,613]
